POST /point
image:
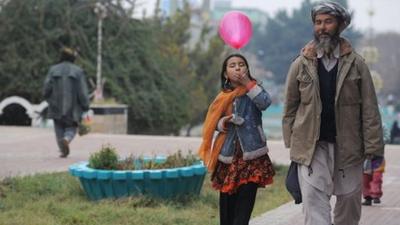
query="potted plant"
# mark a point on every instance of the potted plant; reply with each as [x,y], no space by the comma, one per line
[107,176]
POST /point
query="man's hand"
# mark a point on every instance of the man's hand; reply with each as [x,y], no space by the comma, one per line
[369,156]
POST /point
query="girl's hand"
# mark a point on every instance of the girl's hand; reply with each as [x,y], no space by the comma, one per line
[225,120]
[244,79]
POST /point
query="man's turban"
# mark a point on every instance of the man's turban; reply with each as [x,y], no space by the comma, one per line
[334,9]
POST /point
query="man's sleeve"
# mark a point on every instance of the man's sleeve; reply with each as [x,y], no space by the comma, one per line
[47,87]
[371,119]
[291,103]
[83,95]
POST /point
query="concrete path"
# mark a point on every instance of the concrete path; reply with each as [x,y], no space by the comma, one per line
[26,151]
[29,150]
[386,213]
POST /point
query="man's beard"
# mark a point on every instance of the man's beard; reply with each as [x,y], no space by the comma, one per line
[328,43]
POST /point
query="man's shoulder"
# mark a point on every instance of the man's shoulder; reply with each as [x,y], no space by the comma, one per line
[67,64]
[296,61]
[358,58]
[77,70]
[357,55]
[55,66]
[296,58]
[60,68]
[73,65]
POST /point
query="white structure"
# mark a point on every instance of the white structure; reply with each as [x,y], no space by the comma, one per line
[34,111]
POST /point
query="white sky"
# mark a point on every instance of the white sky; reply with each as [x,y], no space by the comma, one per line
[386,17]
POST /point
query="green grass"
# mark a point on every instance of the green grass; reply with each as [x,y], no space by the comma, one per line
[57,198]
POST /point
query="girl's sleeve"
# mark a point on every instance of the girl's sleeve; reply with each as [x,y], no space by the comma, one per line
[260,97]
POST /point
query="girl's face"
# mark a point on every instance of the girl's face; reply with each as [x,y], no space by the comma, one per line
[235,69]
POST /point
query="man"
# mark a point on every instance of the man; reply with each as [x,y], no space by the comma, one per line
[66,92]
[331,120]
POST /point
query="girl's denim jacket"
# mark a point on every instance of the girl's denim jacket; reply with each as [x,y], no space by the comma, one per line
[249,133]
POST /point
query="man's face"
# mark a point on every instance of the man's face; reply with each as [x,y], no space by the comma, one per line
[325,26]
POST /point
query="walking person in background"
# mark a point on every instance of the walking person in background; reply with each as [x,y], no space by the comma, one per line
[331,120]
[65,91]
[237,157]
[372,180]
[395,131]
[374,167]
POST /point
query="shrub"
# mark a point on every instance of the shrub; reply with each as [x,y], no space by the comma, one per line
[106,158]
[172,161]
[127,164]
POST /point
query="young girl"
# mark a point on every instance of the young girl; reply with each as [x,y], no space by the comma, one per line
[238,156]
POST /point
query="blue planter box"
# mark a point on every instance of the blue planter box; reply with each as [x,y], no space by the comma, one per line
[163,183]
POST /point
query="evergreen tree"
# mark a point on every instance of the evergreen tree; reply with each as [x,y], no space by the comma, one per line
[147,63]
[206,63]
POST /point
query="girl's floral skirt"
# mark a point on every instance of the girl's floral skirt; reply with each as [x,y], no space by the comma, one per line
[228,177]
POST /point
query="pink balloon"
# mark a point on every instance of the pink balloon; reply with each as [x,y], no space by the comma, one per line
[235,29]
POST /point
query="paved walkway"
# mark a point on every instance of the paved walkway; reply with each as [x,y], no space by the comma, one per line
[29,150]
[26,150]
[386,213]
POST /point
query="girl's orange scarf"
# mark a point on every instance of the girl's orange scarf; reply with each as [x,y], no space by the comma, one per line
[222,106]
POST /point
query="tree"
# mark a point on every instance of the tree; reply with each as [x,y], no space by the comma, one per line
[26,45]
[33,31]
[206,64]
[147,63]
[196,67]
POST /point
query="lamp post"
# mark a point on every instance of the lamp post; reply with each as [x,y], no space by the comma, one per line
[100,11]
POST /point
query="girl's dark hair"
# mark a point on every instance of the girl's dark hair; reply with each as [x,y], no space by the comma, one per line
[226,84]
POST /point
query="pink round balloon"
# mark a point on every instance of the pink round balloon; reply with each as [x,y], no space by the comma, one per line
[235,29]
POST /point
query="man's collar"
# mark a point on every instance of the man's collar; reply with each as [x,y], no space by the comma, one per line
[336,52]
[309,51]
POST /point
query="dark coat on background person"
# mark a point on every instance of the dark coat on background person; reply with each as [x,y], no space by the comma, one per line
[395,133]
[66,92]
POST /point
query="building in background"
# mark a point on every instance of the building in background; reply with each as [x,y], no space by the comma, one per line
[258,17]
[207,12]
[169,7]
